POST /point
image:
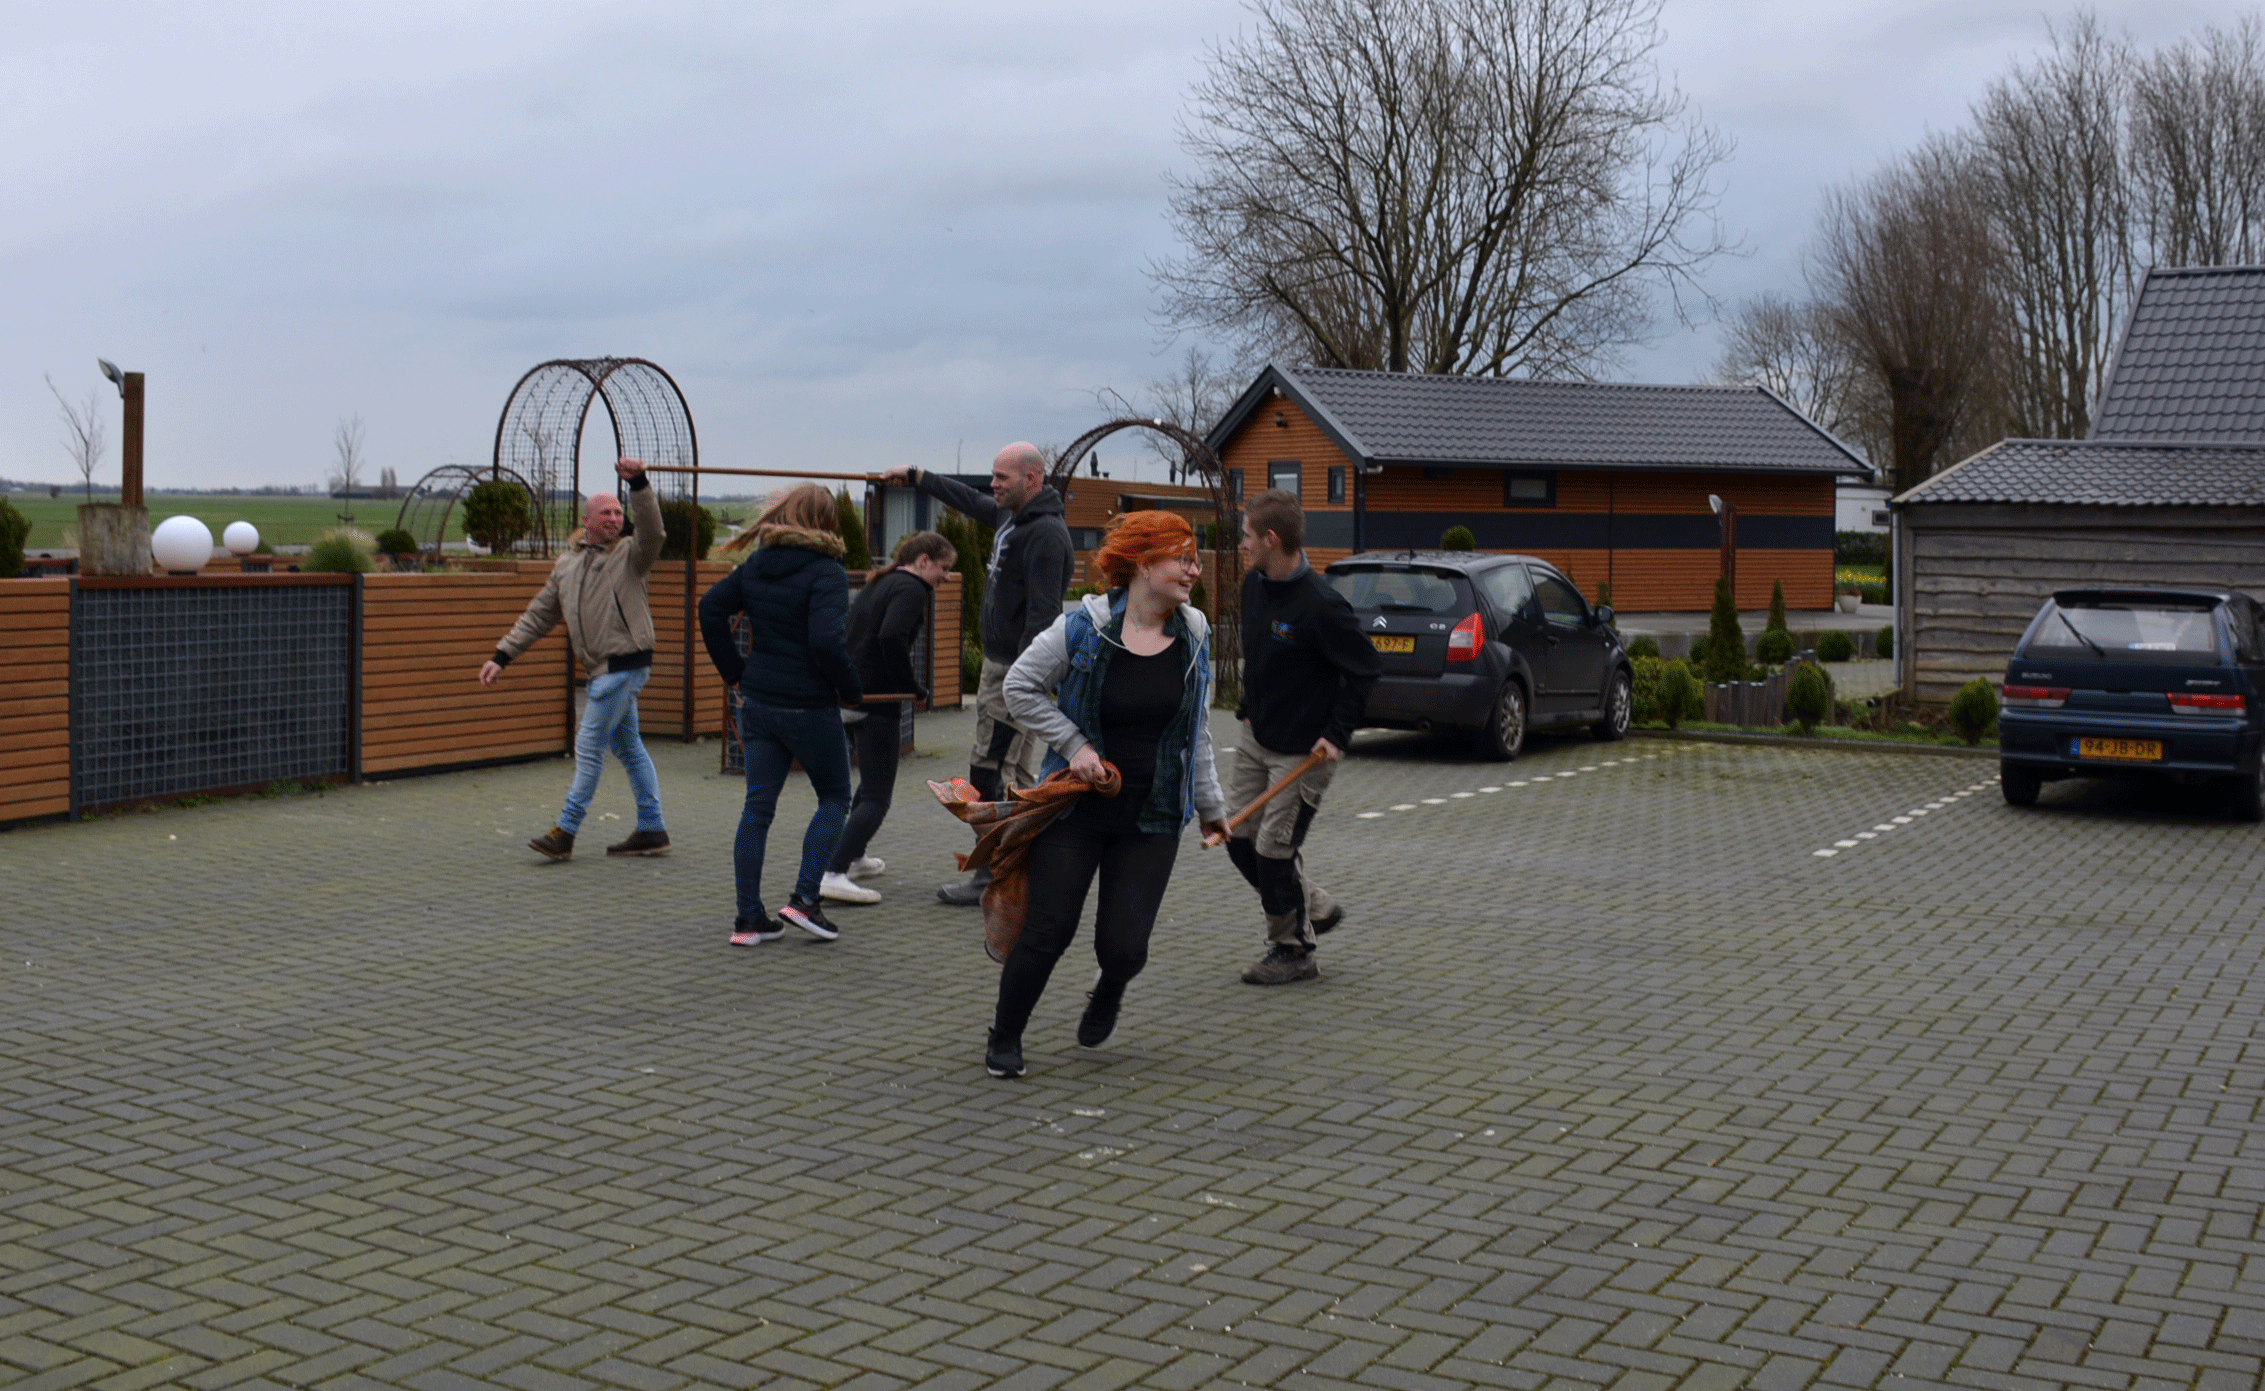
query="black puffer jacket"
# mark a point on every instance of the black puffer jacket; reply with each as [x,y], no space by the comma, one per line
[884,622]
[795,596]
[1030,565]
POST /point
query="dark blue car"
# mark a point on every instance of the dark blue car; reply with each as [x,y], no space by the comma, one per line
[2150,683]
[1488,645]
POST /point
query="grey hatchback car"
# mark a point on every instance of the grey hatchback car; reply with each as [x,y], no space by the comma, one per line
[1486,645]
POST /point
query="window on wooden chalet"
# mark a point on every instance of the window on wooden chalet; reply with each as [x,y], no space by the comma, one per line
[1529,489]
[1336,482]
[1286,474]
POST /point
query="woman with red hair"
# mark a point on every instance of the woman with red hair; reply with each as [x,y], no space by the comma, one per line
[1123,676]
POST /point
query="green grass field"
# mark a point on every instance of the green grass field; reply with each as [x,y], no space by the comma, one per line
[283,521]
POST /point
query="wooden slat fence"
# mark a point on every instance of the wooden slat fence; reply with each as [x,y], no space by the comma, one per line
[423,640]
[35,698]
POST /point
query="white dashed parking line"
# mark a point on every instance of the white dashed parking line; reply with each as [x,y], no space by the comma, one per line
[1492,787]
[1908,818]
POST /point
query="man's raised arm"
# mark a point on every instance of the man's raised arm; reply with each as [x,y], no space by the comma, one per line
[973,502]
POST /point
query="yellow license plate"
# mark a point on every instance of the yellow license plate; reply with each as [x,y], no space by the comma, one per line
[2126,750]
[1391,644]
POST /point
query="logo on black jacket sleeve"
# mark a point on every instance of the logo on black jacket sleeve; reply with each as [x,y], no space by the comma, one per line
[1285,631]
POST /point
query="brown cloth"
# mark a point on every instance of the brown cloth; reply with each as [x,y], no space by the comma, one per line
[1003,833]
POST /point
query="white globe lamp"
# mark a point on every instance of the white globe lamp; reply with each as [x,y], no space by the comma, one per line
[181,545]
[241,538]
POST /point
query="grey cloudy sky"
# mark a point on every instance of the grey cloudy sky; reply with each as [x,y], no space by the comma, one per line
[858,234]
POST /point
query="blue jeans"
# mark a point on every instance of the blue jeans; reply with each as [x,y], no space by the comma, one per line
[609,720]
[773,739]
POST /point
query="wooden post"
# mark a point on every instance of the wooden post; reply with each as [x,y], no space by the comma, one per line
[130,482]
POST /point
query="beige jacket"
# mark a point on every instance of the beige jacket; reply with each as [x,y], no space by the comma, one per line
[600,592]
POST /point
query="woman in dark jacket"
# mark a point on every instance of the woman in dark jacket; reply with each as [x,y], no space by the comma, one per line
[885,621]
[794,596]
[1123,676]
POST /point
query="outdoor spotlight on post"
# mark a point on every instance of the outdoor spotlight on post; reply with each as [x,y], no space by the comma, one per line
[130,448]
[1728,512]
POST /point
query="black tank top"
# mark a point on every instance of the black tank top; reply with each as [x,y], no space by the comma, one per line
[1139,697]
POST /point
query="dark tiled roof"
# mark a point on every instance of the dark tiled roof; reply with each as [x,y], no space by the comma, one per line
[1393,417]
[2192,362]
[2103,473]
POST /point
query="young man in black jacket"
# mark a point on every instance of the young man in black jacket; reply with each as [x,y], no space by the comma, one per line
[885,620]
[1029,569]
[1307,670]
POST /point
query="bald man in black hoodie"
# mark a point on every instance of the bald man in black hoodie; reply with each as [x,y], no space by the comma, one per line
[1030,565]
[1307,670]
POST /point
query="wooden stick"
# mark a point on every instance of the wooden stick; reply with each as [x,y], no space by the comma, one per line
[763,472]
[1313,760]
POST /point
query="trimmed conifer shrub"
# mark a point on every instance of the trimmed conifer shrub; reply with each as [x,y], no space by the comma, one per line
[1974,710]
[15,529]
[1777,609]
[1808,696]
[679,520]
[1884,644]
[1774,647]
[498,514]
[1835,646]
[1726,641]
[1679,695]
[1458,538]
[1644,645]
[397,541]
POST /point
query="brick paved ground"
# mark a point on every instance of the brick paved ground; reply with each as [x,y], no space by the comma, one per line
[1610,1080]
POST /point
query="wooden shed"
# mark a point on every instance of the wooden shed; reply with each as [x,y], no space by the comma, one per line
[2168,490]
[1607,481]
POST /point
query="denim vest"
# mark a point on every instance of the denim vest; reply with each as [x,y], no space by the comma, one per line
[1079,694]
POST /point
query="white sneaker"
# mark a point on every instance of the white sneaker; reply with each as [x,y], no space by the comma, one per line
[840,888]
[866,866]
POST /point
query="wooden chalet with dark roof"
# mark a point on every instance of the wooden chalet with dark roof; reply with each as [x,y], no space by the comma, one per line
[1607,481]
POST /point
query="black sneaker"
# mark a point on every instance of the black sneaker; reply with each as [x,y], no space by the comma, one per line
[1101,1006]
[1002,1057]
[801,912]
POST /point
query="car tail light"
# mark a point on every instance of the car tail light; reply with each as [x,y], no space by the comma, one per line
[2037,697]
[2193,703]
[1464,642]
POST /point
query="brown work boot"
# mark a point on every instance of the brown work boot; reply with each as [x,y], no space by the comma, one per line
[1283,964]
[554,844]
[641,843]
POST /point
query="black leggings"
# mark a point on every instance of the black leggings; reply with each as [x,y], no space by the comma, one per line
[1134,868]
[877,738]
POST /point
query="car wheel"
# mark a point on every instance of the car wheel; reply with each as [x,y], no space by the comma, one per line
[2021,784]
[1617,701]
[2249,795]
[1505,731]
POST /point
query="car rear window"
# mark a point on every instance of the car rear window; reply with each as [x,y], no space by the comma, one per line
[1400,591]
[2125,631]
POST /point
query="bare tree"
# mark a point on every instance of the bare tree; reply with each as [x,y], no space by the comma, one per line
[2198,148]
[2048,146]
[83,430]
[1793,348]
[1457,186]
[347,441]
[1903,264]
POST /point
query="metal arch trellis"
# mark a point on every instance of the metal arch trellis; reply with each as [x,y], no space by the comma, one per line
[1225,567]
[425,511]
[539,435]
